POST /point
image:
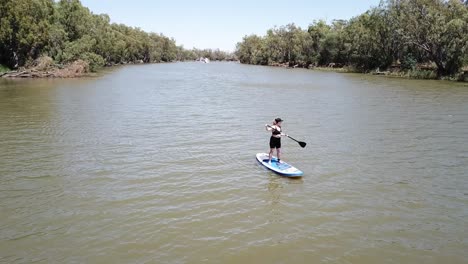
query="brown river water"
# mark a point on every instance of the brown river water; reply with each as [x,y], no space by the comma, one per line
[156,164]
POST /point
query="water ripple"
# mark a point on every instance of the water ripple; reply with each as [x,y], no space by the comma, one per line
[156,163]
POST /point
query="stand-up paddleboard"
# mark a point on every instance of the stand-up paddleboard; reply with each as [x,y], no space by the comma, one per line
[282,168]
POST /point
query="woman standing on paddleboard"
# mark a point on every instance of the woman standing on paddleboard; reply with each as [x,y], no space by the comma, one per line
[275,139]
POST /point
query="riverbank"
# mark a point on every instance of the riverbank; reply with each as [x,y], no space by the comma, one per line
[44,67]
[418,73]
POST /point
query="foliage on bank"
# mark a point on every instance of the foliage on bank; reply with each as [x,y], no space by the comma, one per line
[406,35]
[66,31]
[213,55]
[3,69]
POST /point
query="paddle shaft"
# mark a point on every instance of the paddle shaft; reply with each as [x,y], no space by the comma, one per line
[293,138]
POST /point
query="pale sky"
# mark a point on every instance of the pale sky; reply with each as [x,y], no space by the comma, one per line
[221,24]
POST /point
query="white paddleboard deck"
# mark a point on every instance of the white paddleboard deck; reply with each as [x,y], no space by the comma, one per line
[282,167]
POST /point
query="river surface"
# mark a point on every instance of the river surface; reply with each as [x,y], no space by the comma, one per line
[156,164]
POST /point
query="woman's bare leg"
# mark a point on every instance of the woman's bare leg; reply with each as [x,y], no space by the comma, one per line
[271,154]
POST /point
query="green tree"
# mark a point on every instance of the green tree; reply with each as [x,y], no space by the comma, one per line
[75,18]
[372,42]
[24,30]
[250,50]
[65,30]
[82,49]
[291,37]
[408,31]
[274,46]
[439,29]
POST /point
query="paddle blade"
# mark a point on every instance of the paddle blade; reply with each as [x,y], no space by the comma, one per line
[302,144]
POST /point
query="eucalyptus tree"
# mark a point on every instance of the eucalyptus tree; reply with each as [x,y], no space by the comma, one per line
[318,30]
[372,40]
[290,35]
[66,31]
[437,28]
[74,17]
[24,30]
[250,50]
[274,47]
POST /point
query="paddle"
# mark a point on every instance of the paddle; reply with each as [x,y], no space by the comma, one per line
[302,144]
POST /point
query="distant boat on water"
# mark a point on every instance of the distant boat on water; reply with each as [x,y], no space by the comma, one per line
[204,60]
